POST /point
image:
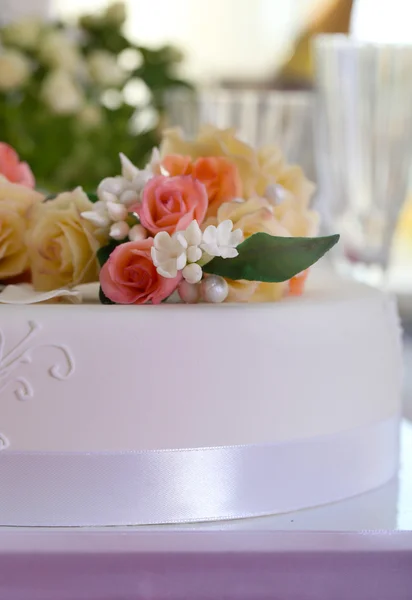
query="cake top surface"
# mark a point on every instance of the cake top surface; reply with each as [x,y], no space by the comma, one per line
[322,287]
[207,220]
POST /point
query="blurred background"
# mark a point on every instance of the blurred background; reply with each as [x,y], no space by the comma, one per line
[82,79]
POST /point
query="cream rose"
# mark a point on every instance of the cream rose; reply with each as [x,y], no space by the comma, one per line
[298,220]
[61,94]
[251,217]
[115,14]
[257,170]
[62,246]
[274,170]
[104,69]
[14,70]
[91,116]
[57,50]
[216,142]
[15,202]
[24,33]
[289,216]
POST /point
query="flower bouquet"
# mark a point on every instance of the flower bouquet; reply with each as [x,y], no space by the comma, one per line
[70,94]
[207,220]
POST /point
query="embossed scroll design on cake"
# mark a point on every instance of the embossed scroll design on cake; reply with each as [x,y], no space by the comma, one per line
[4,442]
[23,353]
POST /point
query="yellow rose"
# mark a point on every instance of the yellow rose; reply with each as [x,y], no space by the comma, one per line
[116,14]
[254,291]
[61,93]
[264,209]
[61,244]
[257,170]
[216,142]
[292,210]
[24,33]
[59,51]
[251,216]
[274,169]
[14,70]
[15,202]
[298,220]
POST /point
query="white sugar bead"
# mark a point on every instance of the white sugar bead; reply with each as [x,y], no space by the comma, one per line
[214,289]
[98,219]
[192,273]
[117,212]
[119,230]
[113,185]
[194,254]
[189,292]
[107,197]
[137,233]
[128,197]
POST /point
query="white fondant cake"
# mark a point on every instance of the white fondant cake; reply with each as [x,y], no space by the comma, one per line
[106,381]
[251,400]
[94,377]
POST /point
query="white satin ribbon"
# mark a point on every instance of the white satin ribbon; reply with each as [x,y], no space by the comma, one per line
[171,486]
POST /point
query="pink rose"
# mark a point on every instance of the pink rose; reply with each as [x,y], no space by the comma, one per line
[130,277]
[14,170]
[172,203]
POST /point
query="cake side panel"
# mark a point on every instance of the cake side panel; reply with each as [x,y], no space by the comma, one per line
[125,378]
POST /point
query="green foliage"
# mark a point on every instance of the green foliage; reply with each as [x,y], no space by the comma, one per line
[103,255]
[268,258]
[66,150]
[92,197]
[104,252]
[103,298]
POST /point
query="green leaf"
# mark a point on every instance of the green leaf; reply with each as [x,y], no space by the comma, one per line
[104,252]
[50,197]
[103,298]
[271,259]
[92,197]
[132,219]
[102,256]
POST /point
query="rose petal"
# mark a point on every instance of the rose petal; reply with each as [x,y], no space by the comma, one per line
[171,203]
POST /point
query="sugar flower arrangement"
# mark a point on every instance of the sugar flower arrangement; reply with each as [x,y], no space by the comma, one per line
[207,220]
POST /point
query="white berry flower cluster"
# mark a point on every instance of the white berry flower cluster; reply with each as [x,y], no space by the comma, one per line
[187,250]
[117,198]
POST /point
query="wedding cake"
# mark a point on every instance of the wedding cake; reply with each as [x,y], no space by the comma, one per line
[165,357]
